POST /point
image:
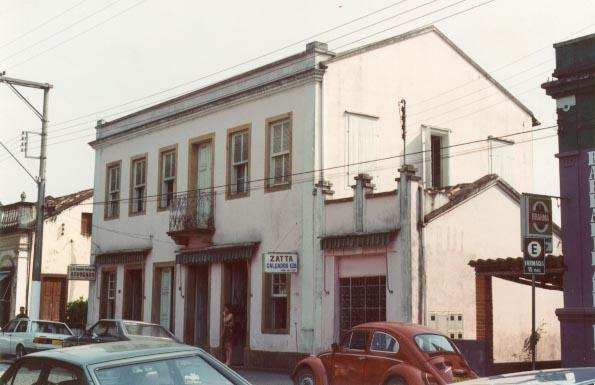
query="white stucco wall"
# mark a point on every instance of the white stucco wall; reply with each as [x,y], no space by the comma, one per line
[485,227]
[273,219]
[63,244]
[512,321]
[421,70]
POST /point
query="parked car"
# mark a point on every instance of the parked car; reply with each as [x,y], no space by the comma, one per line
[23,335]
[386,353]
[111,330]
[146,362]
[574,376]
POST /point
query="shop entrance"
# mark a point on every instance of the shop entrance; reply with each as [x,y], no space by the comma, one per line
[235,293]
[196,328]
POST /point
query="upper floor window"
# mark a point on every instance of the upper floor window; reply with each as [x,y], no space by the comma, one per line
[167,171]
[437,161]
[86,224]
[138,186]
[238,164]
[112,199]
[278,152]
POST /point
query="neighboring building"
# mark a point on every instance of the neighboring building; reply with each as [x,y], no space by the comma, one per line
[204,192]
[66,241]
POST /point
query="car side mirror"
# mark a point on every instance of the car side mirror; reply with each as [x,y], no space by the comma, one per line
[334,347]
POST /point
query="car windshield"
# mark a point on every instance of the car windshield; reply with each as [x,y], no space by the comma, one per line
[432,343]
[179,371]
[148,330]
[49,327]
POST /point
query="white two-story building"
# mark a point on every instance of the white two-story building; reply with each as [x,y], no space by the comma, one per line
[66,241]
[210,198]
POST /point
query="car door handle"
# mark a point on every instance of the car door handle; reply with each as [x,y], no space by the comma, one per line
[361,358]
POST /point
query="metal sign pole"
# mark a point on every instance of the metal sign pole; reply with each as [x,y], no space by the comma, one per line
[532,340]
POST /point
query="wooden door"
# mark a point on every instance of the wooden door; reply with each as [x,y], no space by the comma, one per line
[133,294]
[53,298]
[196,330]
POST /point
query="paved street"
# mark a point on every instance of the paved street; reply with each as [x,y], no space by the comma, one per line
[257,377]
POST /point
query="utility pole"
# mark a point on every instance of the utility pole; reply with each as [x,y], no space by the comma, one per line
[36,281]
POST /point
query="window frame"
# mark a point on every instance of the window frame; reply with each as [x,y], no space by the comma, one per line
[160,194]
[108,201]
[133,186]
[158,267]
[398,345]
[229,194]
[86,224]
[103,313]
[267,298]
[270,185]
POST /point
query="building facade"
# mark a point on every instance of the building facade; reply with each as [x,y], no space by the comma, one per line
[222,196]
[66,241]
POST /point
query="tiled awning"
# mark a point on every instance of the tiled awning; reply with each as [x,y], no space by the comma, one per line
[122,256]
[382,238]
[511,269]
[218,253]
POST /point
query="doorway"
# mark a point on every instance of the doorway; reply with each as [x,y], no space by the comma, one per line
[133,294]
[235,293]
[53,298]
[196,328]
[201,182]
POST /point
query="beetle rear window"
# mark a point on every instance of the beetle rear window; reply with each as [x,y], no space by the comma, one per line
[431,343]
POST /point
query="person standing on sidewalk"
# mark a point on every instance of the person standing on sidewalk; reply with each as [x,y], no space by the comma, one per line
[227,334]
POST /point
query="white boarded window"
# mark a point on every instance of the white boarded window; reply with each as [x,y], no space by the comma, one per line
[361,146]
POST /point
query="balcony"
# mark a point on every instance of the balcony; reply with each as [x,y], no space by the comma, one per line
[17,216]
[191,217]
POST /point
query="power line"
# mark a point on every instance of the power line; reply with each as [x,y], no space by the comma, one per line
[42,24]
[79,34]
[245,62]
[302,173]
[232,66]
[59,31]
[275,69]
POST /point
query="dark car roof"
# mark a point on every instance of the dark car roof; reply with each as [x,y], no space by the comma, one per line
[405,329]
[112,351]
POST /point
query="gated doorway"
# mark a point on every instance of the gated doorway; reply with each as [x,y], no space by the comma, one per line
[235,293]
[362,299]
[53,298]
[196,328]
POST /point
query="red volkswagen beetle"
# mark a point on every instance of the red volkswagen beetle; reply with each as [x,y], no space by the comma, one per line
[386,353]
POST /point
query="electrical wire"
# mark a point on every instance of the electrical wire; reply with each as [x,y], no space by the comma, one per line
[342,166]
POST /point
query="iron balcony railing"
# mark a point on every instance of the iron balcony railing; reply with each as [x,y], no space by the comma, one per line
[17,216]
[192,211]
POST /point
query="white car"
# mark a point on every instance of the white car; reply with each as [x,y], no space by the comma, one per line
[22,335]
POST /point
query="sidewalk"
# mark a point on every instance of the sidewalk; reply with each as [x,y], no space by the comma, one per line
[258,377]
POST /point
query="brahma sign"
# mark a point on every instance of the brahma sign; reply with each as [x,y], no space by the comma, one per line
[536,212]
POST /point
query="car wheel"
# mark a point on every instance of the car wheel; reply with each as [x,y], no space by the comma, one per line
[305,377]
[20,352]
[396,381]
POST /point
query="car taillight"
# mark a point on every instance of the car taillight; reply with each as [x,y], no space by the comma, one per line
[39,340]
[429,379]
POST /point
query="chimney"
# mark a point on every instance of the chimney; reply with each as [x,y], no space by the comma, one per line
[316,46]
[362,187]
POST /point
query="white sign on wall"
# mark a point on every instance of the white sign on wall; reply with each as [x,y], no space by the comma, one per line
[280,262]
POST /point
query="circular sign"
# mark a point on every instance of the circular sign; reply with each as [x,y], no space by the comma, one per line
[534,249]
[540,216]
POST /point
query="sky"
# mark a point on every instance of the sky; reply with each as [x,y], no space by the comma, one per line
[108,58]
